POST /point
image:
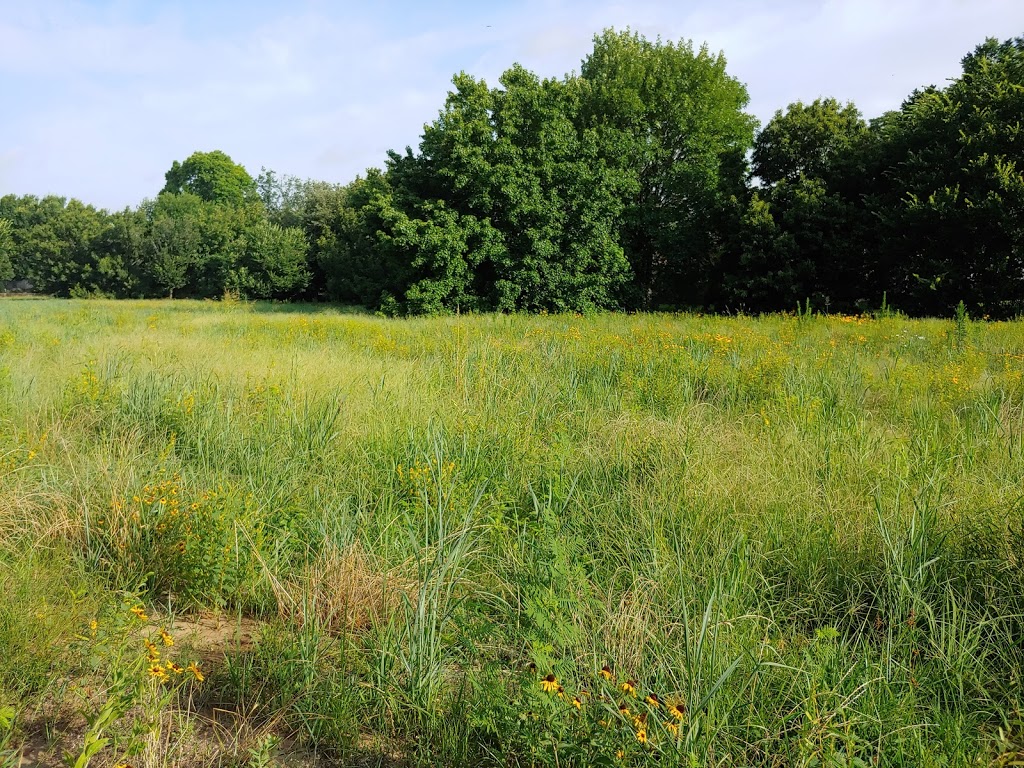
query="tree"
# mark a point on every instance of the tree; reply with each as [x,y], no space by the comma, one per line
[508,205]
[951,202]
[349,251]
[284,197]
[117,250]
[271,263]
[672,118]
[170,250]
[807,141]
[6,246]
[213,177]
[801,236]
[51,242]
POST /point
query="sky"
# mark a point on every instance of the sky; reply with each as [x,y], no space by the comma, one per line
[98,98]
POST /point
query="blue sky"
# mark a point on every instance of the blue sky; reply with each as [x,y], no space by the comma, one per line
[100,97]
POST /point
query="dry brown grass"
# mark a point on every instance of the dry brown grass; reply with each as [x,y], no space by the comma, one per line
[344,590]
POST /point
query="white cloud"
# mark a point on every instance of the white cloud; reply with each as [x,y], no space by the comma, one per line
[102,97]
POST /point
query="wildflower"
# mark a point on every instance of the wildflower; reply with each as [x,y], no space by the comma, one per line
[606,672]
[93,625]
[576,702]
[677,710]
[620,754]
[640,722]
[629,687]
[154,652]
[549,684]
[623,709]
[157,671]
[641,736]
[672,728]
[140,613]
[652,699]
[195,671]
[166,637]
[170,666]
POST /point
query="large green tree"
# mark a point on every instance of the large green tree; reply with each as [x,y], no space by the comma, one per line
[951,198]
[801,235]
[271,262]
[813,141]
[213,177]
[508,205]
[673,119]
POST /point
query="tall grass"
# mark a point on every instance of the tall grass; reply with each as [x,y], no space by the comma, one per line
[805,531]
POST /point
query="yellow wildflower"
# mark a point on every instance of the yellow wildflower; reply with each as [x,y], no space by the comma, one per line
[140,613]
[166,637]
[157,671]
[629,687]
[195,671]
[606,672]
[549,684]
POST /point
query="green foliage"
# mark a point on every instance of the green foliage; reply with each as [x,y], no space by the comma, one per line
[954,188]
[509,204]
[343,225]
[807,141]
[170,251]
[626,186]
[6,246]
[271,263]
[214,177]
[671,118]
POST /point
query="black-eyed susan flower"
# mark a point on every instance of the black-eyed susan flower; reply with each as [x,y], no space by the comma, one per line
[623,709]
[672,728]
[629,686]
[166,637]
[157,671]
[652,699]
[549,684]
[677,710]
[140,613]
[195,672]
[641,736]
[606,672]
[576,702]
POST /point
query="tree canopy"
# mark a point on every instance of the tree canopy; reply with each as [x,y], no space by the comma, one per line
[641,182]
[213,177]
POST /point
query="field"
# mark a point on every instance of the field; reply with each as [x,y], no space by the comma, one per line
[253,535]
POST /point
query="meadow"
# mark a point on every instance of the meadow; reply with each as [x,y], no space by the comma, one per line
[250,535]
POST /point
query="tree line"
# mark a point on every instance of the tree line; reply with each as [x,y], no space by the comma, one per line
[639,183]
